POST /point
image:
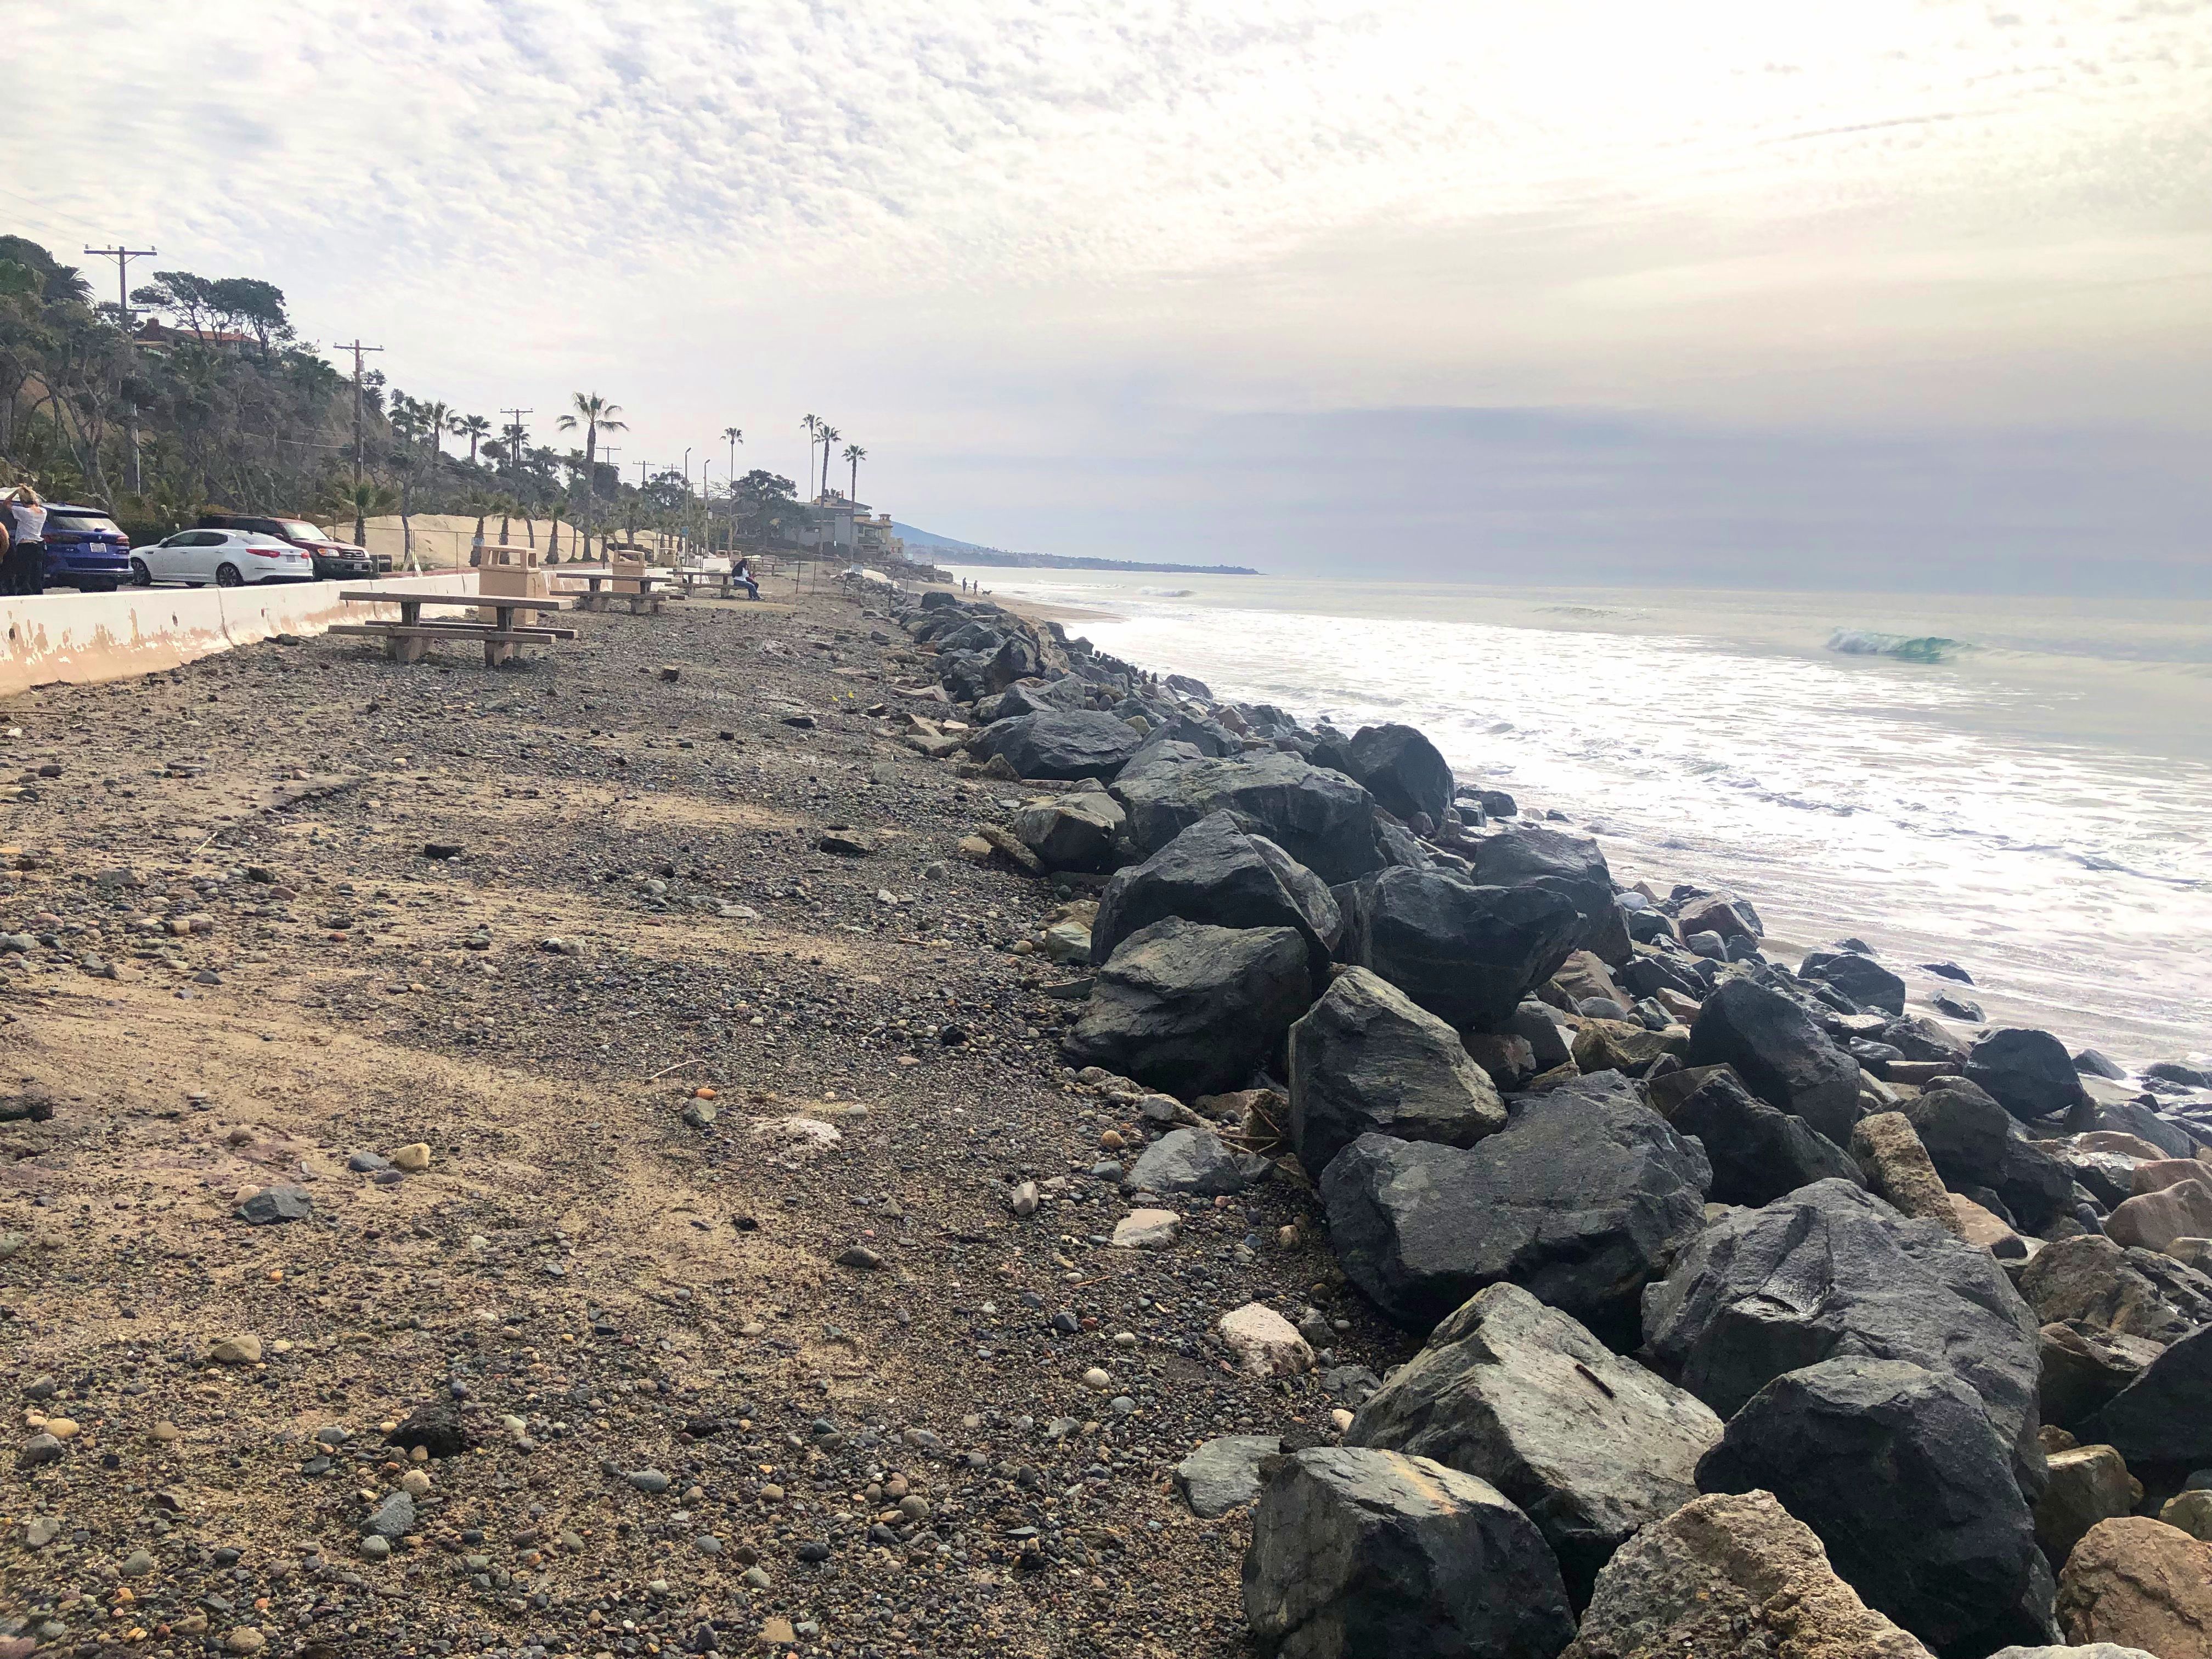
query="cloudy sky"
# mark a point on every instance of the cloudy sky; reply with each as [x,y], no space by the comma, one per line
[1837,296]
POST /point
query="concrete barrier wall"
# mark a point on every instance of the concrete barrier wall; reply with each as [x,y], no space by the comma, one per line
[82,638]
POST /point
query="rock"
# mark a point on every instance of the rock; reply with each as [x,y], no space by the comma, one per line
[2160,1173]
[40,1449]
[1071,832]
[2194,1254]
[1402,770]
[1509,1061]
[1958,1007]
[2165,1416]
[2155,1219]
[1861,978]
[1367,1058]
[1320,817]
[414,1160]
[2084,1367]
[1589,1445]
[1830,1269]
[245,1639]
[1197,1162]
[650,1482]
[1223,1474]
[438,1429]
[1758,1153]
[1193,1009]
[1527,855]
[1899,1472]
[394,1517]
[1146,1229]
[2190,1511]
[2133,1117]
[859,1257]
[2088,1483]
[243,1349]
[1780,1056]
[1580,1198]
[277,1203]
[1616,1045]
[2029,1074]
[1217,872]
[1974,1142]
[1066,744]
[2094,1650]
[1986,1227]
[1467,954]
[2131,1293]
[2141,1583]
[1896,1167]
[1356,1553]
[1721,913]
[844,844]
[1023,1201]
[1265,1343]
[1731,1577]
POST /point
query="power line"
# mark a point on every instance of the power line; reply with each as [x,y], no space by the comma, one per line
[358,349]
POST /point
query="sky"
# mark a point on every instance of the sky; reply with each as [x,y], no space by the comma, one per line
[1884,294]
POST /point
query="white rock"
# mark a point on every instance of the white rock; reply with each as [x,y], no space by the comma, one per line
[1265,1343]
[799,1135]
[1146,1229]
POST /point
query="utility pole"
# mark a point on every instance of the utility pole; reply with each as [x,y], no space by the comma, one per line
[123,257]
[514,433]
[356,347]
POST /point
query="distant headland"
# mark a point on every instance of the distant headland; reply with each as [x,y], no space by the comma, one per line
[959,552]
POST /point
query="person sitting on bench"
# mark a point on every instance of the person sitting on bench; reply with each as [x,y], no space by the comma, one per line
[743,574]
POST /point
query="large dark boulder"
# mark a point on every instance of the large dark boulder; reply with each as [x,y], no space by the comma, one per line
[1832,1271]
[1974,1142]
[1590,1445]
[1782,1056]
[2029,1074]
[1529,856]
[1320,817]
[1897,1470]
[1580,1199]
[1074,831]
[1367,1060]
[1194,1010]
[1859,977]
[1218,871]
[1758,1153]
[1363,1554]
[1070,743]
[1467,954]
[2164,1417]
[1401,769]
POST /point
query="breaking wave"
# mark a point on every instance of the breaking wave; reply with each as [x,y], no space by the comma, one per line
[1905,647]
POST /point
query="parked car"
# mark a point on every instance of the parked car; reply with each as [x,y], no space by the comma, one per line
[228,558]
[335,560]
[85,548]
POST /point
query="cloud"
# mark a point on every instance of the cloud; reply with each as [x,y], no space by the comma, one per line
[1008,231]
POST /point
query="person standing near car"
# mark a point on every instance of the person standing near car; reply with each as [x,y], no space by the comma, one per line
[24,571]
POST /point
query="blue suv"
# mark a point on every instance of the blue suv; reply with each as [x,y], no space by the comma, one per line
[85,548]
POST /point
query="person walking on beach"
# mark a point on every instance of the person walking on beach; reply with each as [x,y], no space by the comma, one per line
[23,519]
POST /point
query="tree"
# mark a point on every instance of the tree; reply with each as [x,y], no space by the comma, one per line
[595,415]
[474,428]
[829,436]
[816,426]
[434,416]
[855,454]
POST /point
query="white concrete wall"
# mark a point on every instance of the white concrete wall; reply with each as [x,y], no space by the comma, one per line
[81,638]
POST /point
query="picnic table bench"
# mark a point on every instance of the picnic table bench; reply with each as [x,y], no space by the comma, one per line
[408,639]
[639,593]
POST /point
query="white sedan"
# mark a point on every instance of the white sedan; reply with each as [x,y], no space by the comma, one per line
[228,558]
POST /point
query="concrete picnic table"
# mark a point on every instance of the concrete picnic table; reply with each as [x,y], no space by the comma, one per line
[408,639]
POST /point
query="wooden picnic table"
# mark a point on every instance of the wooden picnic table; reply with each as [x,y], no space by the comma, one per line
[408,639]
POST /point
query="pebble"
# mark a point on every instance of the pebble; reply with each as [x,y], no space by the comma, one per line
[243,1349]
[757,1577]
[414,1158]
[245,1639]
[1095,1378]
[414,1482]
[375,1548]
[272,1204]
[648,1481]
[42,1531]
[1023,1199]
[61,1428]
[860,1255]
[137,1565]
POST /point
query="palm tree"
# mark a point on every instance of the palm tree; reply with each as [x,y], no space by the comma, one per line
[830,436]
[816,426]
[474,428]
[434,416]
[855,454]
[553,536]
[595,415]
[366,498]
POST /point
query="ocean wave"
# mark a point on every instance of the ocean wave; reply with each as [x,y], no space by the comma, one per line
[1905,647]
[1166,593]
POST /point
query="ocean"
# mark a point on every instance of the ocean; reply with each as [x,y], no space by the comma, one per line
[2022,787]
